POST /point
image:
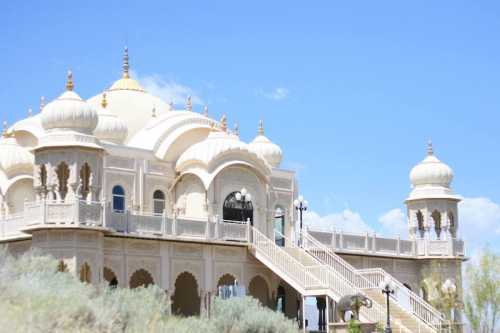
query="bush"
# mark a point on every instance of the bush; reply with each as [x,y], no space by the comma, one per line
[35,297]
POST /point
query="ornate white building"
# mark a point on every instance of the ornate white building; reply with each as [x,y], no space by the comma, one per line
[124,189]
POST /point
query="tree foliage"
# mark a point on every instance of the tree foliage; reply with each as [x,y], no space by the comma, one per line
[35,297]
[482,299]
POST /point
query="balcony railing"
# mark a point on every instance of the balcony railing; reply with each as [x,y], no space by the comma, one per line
[382,246]
[82,214]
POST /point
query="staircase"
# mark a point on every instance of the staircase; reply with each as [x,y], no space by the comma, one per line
[407,308]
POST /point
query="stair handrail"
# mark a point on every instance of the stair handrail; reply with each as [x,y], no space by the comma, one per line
[420,307]
[303,276]
[433,318]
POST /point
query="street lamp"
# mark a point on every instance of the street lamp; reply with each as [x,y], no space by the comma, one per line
[244,197]
[301,206]
[388,289]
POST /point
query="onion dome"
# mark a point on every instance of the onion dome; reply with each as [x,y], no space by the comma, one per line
[431,171]
[110,127]
[266,148]
[69,112]
[14,159]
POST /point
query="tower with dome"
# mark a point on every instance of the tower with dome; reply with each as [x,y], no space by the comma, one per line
[129,190]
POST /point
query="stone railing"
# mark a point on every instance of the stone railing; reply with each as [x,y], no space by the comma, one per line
[372,244]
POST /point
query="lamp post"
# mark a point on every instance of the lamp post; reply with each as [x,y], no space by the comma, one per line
[388,289]
[244,197]
[301,206]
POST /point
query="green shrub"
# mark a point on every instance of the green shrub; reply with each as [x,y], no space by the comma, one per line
[354,326]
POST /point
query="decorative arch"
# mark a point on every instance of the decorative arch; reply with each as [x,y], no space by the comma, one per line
[420,223]
[18,191]
[452,224]
[259,289]
[118,196]
[226,280]
[190,196]
[85,273]
[281,299]
[186,299]
[43,175]
[140,278]
[436,217]
[159,200]
[237,210]
[62,173]
[110,277]
[85,179]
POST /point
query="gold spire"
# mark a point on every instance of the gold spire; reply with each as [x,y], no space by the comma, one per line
[189,104]
[126,66]
[104,101]
[42,103]
[430,150]
[69,82]
[223,123]
[261,127]
[205,111]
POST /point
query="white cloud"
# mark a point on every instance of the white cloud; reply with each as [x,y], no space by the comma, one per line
[347,220]
[394,222]
[277,94]
[479,222]
[169,91]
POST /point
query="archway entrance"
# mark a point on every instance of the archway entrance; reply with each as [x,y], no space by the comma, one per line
[258,289]
[110,276]
[226,280]
[237,210]
[186,301]
[141,278]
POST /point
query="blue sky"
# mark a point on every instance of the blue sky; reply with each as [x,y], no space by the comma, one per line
[352,91]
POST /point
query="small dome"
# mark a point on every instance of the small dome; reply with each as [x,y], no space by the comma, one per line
[266,148]
[13,157]
[69,112]
[110,127]
[431,171]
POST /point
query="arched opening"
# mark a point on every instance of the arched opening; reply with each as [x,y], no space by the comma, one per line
[237,210]
[281,300]
[452,224]
[18,193]
[118,195]
[110,276]
[62,267]
[85,273]
[62,172]
[279,227]
[186,301]
[43,175]
[85,174]
[258,289]
[226,280]
[420,223]
[436,217]
[141,278]
[158,202]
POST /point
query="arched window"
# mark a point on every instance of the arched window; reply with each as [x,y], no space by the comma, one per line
[62,179]
[281,300]
[237,210]
[110,277]
[452,225]
[118,199]
[279,227]
[436,216]
[43,175]
[158,202]
[420,223]
[85,173]
[141,278]
[85,273]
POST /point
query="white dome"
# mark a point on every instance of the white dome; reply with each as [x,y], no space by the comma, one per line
[14,158]
[69,112]
[431,171]
[109,127]
[266,148]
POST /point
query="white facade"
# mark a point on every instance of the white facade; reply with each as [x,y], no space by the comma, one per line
[125,189]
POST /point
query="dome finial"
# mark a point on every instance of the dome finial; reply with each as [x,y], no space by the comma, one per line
[42,103]
[189,104]
[205,111]
[6,133]
[430,150]
[125,66]
[69,82]
[223,123]
[104,102]
[261,127]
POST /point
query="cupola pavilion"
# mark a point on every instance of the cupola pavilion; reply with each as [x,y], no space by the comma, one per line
[130,190]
